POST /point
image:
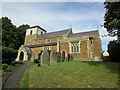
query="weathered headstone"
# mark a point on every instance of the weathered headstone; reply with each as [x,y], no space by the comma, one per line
[70,57]
[45,58]
[59,59]
[53,58]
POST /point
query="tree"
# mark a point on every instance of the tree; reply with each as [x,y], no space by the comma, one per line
[114,51]
[12,37]
[8,33]
[112,18]
[21,30]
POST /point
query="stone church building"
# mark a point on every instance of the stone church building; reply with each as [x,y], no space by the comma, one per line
[79,46]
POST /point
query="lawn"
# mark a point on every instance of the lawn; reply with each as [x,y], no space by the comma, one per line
[72,74]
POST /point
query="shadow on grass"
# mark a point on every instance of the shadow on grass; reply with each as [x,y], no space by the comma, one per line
[112,66]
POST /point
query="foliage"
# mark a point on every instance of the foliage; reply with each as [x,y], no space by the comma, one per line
[112,18]
[10,69]
[12,37]
[105,58]
[114,50]
[8,53]
[8,33]
[21,34]
[4,66]
[16,62]
[72,74]
[36,60]
[38,64]
[13,63]
[20,62]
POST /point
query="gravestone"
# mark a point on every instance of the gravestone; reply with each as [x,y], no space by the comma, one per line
[45,58]
[59,59]
[53,58]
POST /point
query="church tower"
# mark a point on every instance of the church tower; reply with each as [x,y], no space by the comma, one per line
[32,33]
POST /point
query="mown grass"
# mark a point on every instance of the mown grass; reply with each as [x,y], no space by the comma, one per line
[72,74]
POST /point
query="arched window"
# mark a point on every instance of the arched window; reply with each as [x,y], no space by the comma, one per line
[31,32]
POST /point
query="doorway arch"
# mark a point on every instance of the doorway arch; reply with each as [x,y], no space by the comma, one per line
[21,56]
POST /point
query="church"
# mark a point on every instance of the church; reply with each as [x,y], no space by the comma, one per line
[83,46]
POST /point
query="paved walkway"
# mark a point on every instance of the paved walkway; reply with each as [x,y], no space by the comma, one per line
[15,77]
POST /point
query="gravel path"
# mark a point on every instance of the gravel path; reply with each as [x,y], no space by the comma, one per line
[15,77]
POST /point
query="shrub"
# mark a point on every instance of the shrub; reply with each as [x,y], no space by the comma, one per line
[8,55]
[4,66]
[38,64]
[105,58]
[20,62]
[114,49]
[13,63]
[36,60]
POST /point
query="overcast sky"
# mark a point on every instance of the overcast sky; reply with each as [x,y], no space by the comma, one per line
[55,16]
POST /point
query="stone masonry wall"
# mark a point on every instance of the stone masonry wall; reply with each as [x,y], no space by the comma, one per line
[64,47]
[83,49]
[36,51]
[29,40]
[96,47]
[83,52]
[53,48]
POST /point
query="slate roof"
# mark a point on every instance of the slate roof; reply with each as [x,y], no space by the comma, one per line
[53,34]
[84,33]
[41,45]
[29,51]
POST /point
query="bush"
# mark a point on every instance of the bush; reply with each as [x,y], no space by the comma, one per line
[114,50]
[13,63]
[38,64]
[20,62]
[105,58]
[36,60]
[8,55]
[4,66]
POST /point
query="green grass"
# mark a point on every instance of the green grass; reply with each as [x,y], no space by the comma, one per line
[72,74]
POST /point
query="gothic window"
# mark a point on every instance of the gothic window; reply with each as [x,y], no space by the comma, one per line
[31,32]
[75,47]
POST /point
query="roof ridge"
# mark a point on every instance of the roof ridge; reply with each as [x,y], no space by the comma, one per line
[85,32]
[57,31]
